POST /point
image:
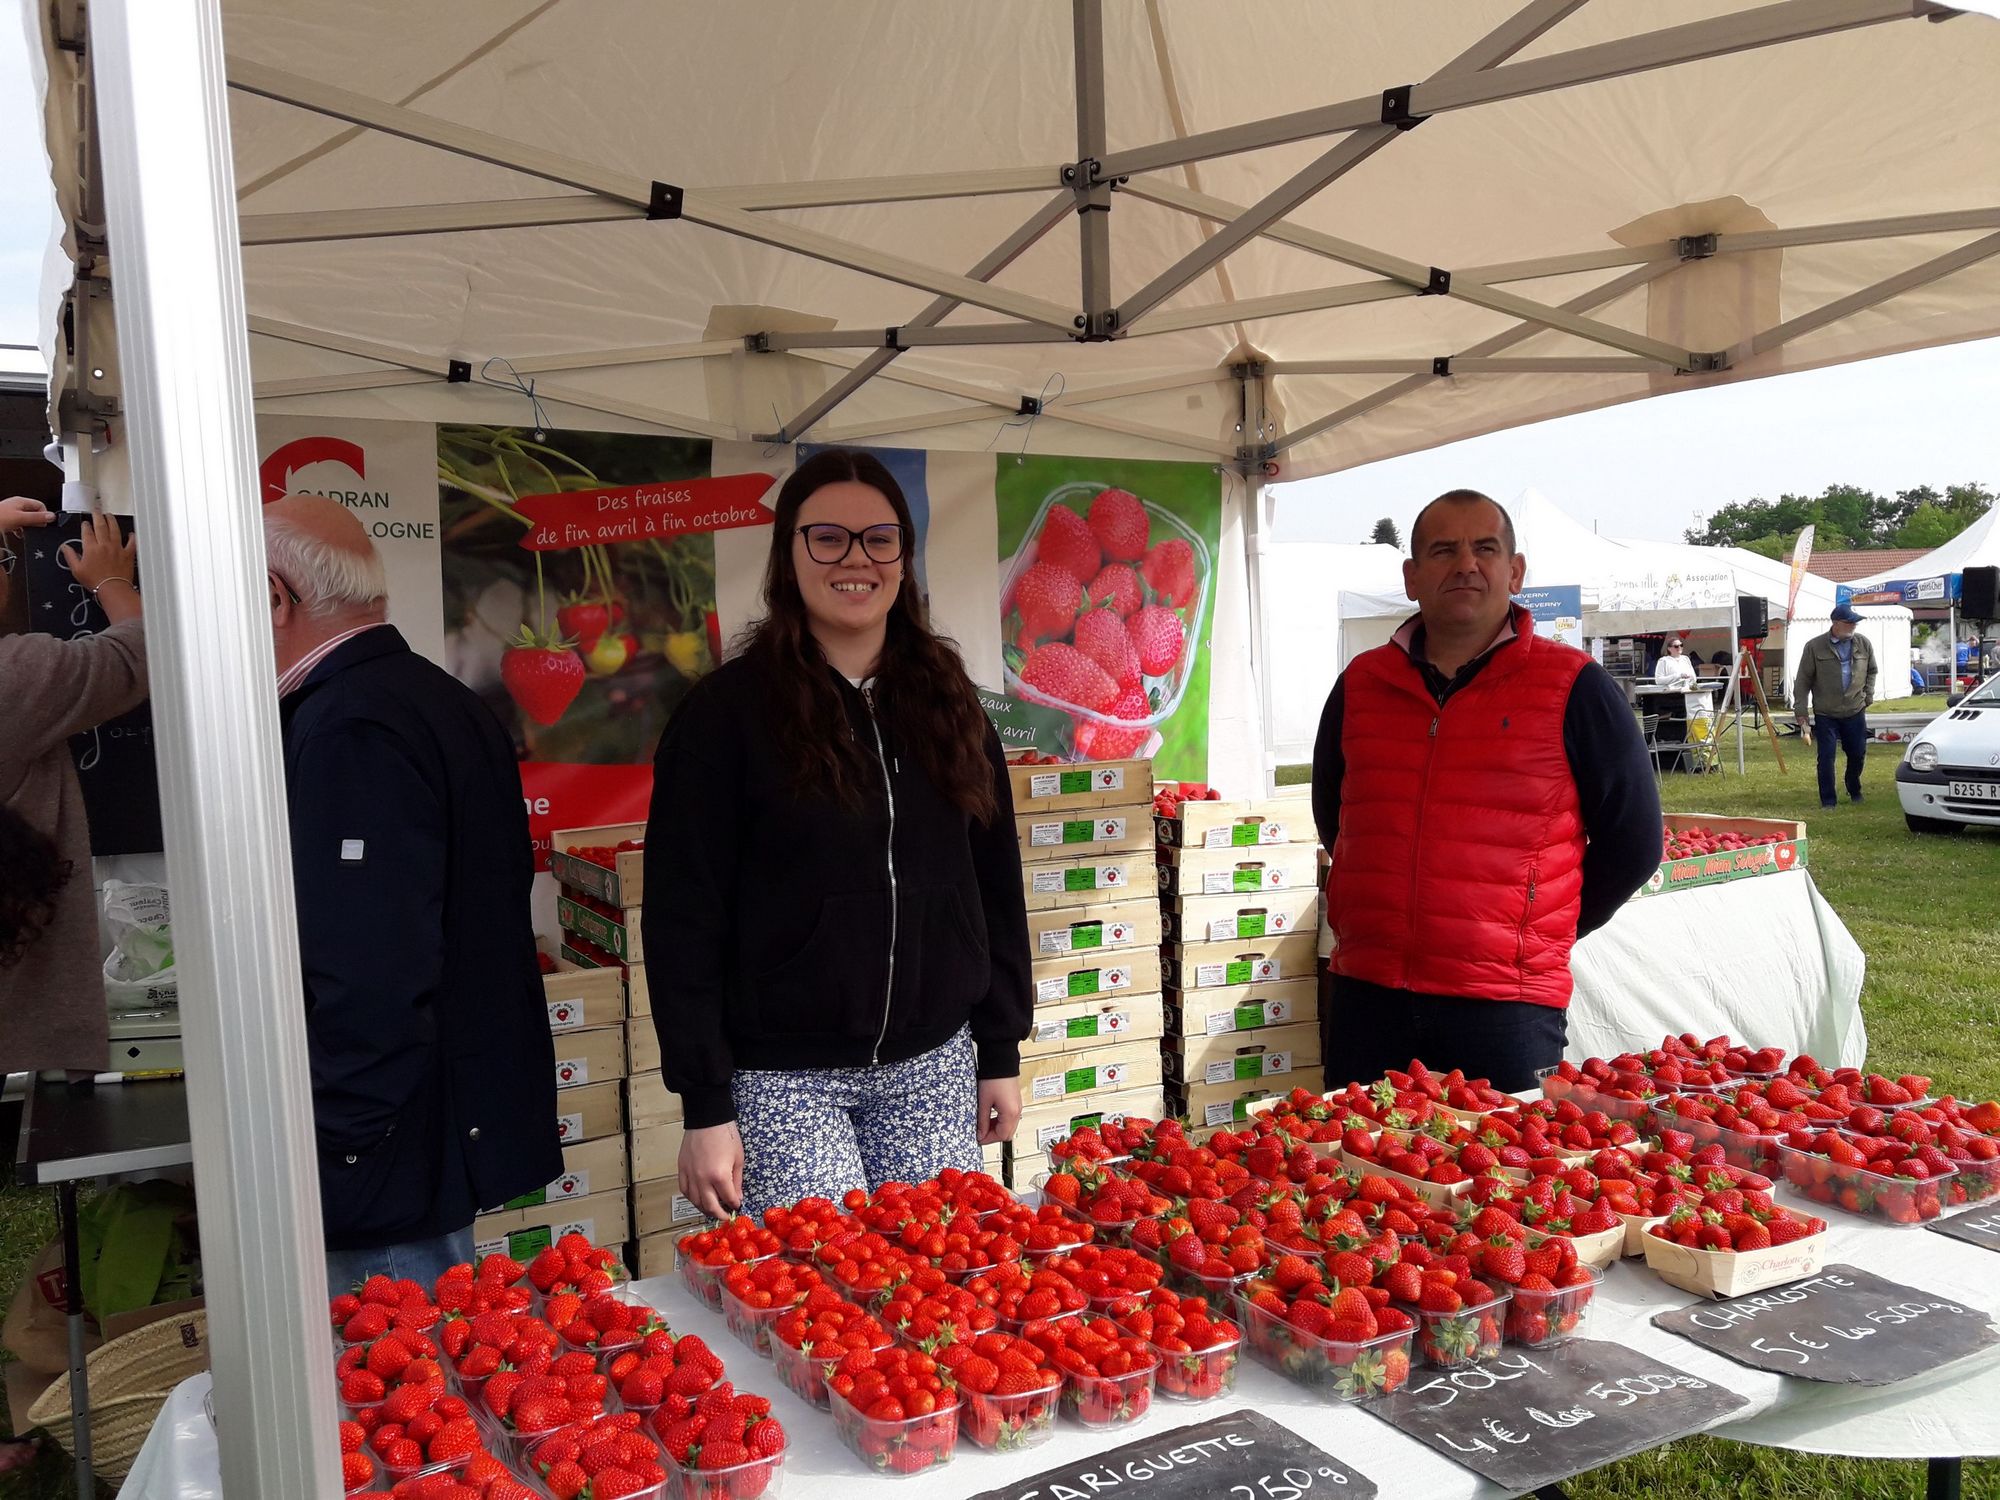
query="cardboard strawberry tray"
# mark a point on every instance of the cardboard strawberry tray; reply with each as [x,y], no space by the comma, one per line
[622,883]
[1789,853]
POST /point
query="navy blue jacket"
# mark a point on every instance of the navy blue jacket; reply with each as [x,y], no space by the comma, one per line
[433,1071]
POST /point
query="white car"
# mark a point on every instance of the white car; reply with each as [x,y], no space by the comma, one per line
[1949,778]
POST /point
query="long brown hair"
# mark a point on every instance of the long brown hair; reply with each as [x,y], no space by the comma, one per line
[921,686]
[31,873]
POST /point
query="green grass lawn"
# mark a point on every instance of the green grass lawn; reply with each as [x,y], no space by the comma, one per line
[1923,910]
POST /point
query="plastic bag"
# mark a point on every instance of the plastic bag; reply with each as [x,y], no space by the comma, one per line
[139,974]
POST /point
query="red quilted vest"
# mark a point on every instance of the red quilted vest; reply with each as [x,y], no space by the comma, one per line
[1459,865]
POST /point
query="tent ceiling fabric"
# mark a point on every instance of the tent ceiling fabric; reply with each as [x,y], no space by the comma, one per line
[977,107]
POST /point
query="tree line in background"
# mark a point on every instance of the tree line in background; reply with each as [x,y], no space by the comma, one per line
[1848,517]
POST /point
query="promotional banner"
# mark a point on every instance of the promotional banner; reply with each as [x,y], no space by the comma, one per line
[1107,573]
[579,599]
[1557,611]
[1801,560]
[1931,593]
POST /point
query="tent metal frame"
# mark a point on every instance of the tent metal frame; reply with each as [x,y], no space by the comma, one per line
[1484,73]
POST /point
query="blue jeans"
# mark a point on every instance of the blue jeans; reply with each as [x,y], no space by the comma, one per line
[1849,734]
[421,1261]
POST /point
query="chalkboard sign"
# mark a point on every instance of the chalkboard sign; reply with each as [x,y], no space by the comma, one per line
[1203,1462]
[1976,1226]
[1843,1326]
[1530,1417]
[114,761]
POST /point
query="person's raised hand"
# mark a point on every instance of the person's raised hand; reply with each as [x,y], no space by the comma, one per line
[999,1109]
[101,555]
[711,1169]
[18,512]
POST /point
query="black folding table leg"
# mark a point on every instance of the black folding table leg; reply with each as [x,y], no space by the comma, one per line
[79,1379]
[1942,1482]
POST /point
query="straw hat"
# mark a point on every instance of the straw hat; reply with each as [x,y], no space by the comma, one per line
[130,1380]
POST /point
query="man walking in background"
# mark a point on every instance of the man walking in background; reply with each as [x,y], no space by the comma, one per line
[1488,800]
[433,1071]
[1835,685]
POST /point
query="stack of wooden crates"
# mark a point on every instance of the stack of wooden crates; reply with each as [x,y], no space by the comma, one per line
[1086,836]
[599,909]
[1239,898]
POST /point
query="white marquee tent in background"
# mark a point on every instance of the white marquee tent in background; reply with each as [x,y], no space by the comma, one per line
[1283,236]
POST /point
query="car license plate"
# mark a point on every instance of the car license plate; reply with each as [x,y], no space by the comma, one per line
[1977,791]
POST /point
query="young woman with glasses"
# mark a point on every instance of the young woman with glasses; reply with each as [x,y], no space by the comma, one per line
[834,909]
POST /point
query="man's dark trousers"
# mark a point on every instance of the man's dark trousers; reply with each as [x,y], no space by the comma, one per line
[1849,734]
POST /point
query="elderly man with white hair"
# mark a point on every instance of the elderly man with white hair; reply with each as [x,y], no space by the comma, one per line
[432,1066]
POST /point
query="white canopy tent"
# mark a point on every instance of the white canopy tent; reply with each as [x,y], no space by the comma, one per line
[1978,546]
[772,220]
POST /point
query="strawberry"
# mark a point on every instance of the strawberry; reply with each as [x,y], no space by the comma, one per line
[1169,572]
[1159,638]
[583,620]
[541,674]
[1046,599]
[1065,674]
[1101,635]
[1116,587]
[1069,542]
[1118,521]
[1103,743]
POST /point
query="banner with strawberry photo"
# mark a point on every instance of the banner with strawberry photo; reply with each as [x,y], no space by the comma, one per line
[579,599]
[1107,579]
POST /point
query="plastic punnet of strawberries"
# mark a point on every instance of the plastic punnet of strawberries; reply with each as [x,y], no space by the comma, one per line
[1041,1231]
[379,1304]
[573,1264]
[1020,1295]
[609,1458]
[1302,1319]
[704,1254]
[894,1409]
[368,1373]
[483,1478]
[929,1317]
[664,1371]
[1107,1372]
[757,1293]
[529,1406]
[1881,1177]
[422,1427]
[816,1335]
[1007,1390]
[600,1323]
[729,1448]
[1108,1274]
[1197,1352]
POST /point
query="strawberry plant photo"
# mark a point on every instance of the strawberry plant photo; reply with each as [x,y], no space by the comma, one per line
[1107,582]
[582,652]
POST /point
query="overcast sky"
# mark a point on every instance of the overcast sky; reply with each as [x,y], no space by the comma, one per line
[1646,469]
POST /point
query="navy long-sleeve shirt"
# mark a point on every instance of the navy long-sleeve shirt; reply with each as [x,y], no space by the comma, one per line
[1619,799]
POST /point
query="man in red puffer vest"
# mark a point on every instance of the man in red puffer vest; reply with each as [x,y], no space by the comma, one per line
[1487,798]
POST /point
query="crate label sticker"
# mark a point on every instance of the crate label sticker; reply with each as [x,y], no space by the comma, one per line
[1252,924]
[1050,882]
[1053,989]
[1048,1135]
[1117,934]
[569,1128]
[1105,877]
[1045,834]
[682,1210]
[1107,1023]
[1107,779]
[1055,942]
[1051,1030]
[572,1071]
[565,1015]
[569,1185]
[1045,784]
[1219,1021]
[1108,829]
[483,1248]
[1048,1086]
[1224,1114]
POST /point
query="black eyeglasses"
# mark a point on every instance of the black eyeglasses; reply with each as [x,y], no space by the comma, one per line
[828,544]
[291,592]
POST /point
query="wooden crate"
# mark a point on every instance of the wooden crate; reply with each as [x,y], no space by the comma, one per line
[583,954]
[1101,1070]
[1243,1057]
[623,886]
[1200,966]
[1239,825]
[585,1057]
[1107,928]
[1078,976]
[642,1045]
[620,935]
[1730,864]
[1223,872]
[1078,1025]
[1107,783]
[658,1206]
[1217,1104]
[589,1113]
[1090,880]
[656,1150]
[1224,919]
[1110,830]
[1041,1124]
[1241,1007]
[654,1254]
[581,998]
[589,1167]
[650,1101]
[523,1233]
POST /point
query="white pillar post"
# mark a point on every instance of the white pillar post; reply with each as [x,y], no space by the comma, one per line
[163,120]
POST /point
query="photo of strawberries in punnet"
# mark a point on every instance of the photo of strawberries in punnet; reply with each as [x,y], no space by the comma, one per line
[1098,614]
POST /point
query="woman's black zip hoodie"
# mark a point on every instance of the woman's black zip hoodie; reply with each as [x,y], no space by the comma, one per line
[788,932]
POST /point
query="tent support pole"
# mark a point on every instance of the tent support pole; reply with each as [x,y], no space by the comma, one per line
[1742,31]
[164,121]
[1246,224]
[1040,222]
[1935,269]
[1098,319]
